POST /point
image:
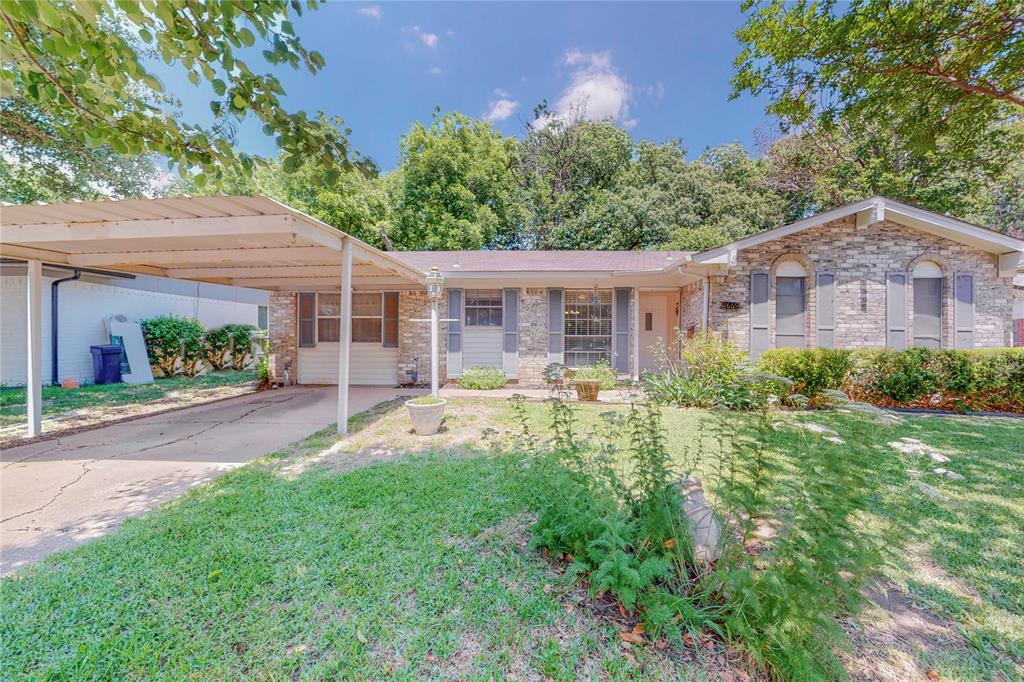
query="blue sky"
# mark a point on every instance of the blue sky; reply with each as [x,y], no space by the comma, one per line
[660,69]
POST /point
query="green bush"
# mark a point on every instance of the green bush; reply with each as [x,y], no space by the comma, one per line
[602,372]
[614,511]
[241,344]
[482,378]
[171,341]
[217,347]
[812,370]
[971,379]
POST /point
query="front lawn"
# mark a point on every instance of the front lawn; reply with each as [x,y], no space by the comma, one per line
[99,398]
[387,557]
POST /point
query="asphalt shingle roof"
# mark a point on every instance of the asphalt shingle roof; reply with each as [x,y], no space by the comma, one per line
[540,261]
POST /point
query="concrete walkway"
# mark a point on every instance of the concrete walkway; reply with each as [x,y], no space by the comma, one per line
[61,492]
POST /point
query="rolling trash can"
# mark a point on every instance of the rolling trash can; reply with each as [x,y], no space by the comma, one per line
[106,363]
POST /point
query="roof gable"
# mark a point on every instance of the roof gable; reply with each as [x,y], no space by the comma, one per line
[876,209]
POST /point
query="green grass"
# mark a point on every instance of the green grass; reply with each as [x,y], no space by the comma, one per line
[57,400]
[414,568]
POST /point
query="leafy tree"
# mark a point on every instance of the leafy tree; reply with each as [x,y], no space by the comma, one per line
[820,168]
[945,69]
[454,188]
[79,68]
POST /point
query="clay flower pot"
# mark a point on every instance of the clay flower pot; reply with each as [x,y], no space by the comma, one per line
[426,414]
[587,390]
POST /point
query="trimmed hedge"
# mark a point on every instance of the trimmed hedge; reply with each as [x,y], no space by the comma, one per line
[986,379]
[482,378]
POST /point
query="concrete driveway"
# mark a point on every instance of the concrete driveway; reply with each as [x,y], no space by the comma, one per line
[61,492]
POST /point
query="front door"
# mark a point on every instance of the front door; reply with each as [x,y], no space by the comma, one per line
[656,327]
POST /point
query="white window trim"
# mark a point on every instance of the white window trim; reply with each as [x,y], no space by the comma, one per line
[316,326]
[380,298]
[566,336]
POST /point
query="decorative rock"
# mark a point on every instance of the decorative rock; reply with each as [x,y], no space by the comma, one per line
[835,439]
[912,446]
[930,491]
[703,526]
[948,474]
[70,383]
[814,428]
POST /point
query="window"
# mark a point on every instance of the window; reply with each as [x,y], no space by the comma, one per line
[588,327]
[367,318]
[483,307]
[790,302]
[328,318]
[261,317]
[927,322]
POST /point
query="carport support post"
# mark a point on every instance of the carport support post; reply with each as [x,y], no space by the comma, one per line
[34,383]
[346,335]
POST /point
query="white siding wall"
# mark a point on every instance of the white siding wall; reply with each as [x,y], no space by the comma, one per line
[370,364]
[481,347]
[83,305]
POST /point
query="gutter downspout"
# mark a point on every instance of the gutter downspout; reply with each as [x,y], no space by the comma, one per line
[55,321]
[707,302]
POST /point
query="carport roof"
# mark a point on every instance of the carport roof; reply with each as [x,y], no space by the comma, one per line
[250,241]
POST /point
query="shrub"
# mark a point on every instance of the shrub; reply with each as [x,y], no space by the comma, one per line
[263,368]
[616,516]
[602,372]
[712,373]
[172,340]
[482,378]
[811,370]
[217,347]
[241,344]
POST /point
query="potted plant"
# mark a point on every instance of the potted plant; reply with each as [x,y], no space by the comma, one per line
[426,413]
[590,380]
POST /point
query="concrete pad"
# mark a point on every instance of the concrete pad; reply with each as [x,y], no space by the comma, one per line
[61,492]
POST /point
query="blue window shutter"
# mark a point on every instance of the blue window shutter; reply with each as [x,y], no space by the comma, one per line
[896,310]
[963,313]
[760,313]
[510,324]
[455,332]
[620,352]
[556,326]
[826,310]
[390,331]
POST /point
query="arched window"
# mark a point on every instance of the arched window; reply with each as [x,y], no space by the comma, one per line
[927,322]
[790,305]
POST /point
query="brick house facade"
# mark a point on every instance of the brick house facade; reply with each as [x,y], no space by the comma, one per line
[859,270]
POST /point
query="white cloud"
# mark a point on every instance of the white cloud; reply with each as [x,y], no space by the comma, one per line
[596,90]
[435,71]
[373,11]
[428,39]
[501,108]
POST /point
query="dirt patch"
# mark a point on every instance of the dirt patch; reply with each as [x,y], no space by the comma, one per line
[385,433]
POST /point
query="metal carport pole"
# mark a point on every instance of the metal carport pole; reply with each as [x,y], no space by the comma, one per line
[345,342]
[34,338]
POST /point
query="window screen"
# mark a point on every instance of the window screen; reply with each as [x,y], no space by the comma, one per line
[367,318]
[927,312]
[391,319]
[483,307]
[307,320]
[789,312]
[588,327]
[328,318]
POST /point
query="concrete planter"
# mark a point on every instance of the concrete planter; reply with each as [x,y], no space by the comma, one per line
[426,419]
[588,390]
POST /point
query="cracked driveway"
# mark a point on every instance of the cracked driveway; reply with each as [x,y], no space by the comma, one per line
[61,492]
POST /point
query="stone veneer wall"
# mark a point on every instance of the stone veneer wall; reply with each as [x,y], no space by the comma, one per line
[414,337]
[691,309]
[860,258]
[283,332]
[533,335]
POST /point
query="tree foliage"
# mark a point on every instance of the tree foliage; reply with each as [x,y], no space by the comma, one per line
[948,70]
[454,188]
[74,73]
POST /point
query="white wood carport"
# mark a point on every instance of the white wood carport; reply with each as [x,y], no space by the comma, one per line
[236,240]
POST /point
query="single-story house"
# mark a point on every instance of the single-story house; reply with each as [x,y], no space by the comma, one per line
[876,273]
[873,274]
[85,297]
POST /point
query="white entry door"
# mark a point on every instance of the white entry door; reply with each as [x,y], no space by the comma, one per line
[655,328]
